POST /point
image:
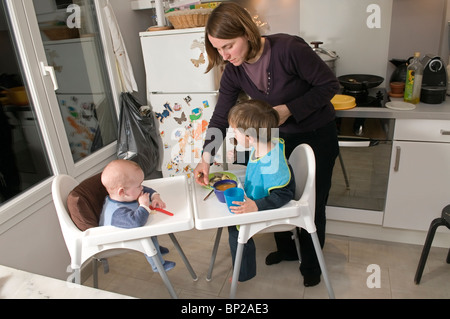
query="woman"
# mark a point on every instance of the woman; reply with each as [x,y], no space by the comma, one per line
[284,71]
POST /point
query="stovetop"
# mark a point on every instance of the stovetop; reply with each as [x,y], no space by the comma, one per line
[374,97]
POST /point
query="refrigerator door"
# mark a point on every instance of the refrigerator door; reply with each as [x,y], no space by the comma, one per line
[176,61]
[183,120]
[81,122]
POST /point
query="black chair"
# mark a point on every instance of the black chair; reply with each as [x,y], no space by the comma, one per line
[444,220]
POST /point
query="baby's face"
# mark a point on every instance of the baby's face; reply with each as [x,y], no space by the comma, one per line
[134,188]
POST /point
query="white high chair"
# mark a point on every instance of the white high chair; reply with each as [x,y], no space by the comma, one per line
[298,213]
[105,241]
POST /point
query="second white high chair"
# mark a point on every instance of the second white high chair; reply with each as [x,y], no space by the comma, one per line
[302,208]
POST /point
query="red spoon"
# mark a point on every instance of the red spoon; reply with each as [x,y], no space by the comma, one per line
[161,210]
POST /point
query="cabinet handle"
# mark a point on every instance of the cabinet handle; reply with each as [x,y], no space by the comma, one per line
[397,158]
[444,132]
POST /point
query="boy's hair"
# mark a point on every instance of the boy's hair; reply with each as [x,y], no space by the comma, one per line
[255,118]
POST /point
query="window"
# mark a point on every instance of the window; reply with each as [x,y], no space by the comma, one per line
[23,157]
[44,130]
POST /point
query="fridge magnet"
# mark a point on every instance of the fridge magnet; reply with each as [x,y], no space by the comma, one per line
[206,104]
[170,166]
[196,114]
[73,112]
[188,100]
[198,45]
[87,111]
[178,134]
[165,113]
[183,142]
[188,169]
[200,130]
[180,120]
[197,62]
[177,107]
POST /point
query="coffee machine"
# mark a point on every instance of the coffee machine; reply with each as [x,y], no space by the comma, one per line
[434,81]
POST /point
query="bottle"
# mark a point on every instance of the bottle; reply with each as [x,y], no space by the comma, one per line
[413,83]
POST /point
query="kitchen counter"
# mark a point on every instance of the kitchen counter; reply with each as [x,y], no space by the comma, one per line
[422,111]
[17,284]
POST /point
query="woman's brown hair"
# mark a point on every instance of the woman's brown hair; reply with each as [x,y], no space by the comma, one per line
[229,21]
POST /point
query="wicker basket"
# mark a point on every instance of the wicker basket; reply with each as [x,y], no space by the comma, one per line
[184,19]
[55,33]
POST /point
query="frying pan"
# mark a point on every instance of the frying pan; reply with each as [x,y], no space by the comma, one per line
[360,82]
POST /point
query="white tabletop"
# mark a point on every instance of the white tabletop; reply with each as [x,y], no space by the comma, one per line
[17,284]
[214,214]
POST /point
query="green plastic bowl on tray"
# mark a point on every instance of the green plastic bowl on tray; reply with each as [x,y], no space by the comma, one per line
[220,175]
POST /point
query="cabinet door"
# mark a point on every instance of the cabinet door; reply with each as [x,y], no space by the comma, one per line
[419,184]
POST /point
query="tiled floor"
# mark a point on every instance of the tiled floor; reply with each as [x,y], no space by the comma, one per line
[348,260]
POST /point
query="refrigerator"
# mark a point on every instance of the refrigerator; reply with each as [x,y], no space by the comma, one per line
[81,96]
[181,96]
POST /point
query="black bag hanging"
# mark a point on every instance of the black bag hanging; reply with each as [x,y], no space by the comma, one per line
[138,139]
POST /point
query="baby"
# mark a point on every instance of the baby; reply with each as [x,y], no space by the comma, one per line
[128,201]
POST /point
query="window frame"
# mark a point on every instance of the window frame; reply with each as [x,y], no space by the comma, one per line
[30,52]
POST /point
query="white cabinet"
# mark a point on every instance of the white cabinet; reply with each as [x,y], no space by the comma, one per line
[419,180]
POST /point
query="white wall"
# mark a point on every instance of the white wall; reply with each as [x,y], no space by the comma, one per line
[419,26]
[36,245]
[342,26]
[131,23]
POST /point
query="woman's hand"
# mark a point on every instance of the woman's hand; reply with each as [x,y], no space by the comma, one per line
[283,112]
[248,206]
[201,173]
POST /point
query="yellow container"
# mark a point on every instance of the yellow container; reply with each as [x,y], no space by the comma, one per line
[18,96]
[343,102]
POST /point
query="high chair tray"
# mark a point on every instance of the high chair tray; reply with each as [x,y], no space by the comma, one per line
[214,214]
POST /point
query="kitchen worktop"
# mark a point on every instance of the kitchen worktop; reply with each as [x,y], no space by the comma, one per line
[17,284]
[422,111]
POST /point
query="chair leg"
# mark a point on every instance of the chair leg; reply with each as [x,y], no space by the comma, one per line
[323,267]
[77,274]
[183,257]
[164,277]
[344,171]
[426,248]
[214,254]
[95,272]
[236,270]
[297,244]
